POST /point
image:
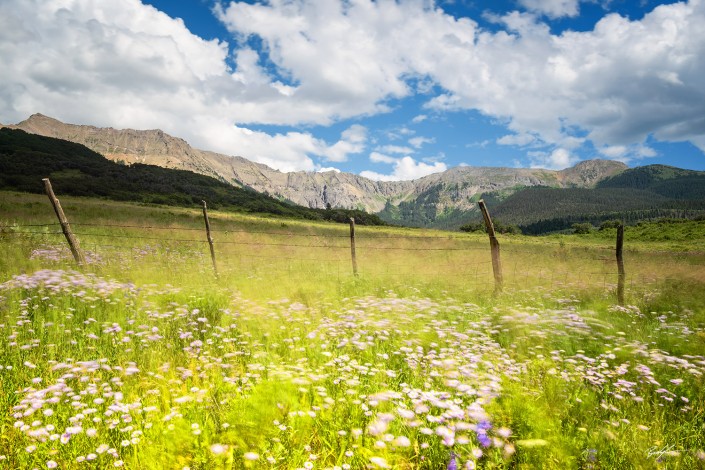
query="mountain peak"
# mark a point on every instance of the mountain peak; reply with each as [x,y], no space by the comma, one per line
[589,172]
[39,117]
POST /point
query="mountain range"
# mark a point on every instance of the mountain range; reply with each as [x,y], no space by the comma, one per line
[444,200]
[75,170]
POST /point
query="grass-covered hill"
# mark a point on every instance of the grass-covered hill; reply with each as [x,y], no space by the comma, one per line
[641,193]
[78,171]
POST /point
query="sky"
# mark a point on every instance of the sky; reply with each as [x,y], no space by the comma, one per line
[390,90]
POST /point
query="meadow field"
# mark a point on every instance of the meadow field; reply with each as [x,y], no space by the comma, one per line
[144,359]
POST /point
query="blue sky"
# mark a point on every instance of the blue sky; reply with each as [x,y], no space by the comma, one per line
[387,89]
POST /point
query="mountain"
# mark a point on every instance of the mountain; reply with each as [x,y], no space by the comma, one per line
[668,181]
[443,200]
[449,199]
[76,170]
[646,192]
[154,147]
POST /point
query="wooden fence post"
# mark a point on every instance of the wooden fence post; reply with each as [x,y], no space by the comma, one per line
[621,276]
[494,245]
[65,227]
[352,245]
[208,235]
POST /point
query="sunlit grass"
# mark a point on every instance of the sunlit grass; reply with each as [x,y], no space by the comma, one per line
[144,359]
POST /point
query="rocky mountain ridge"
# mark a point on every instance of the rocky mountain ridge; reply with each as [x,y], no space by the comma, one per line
[456,189]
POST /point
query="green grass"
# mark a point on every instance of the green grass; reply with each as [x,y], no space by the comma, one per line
[287,360]
[672,234]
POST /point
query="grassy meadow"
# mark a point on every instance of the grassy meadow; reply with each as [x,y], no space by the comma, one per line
[144,359]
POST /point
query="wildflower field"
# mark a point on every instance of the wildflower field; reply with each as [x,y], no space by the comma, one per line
[144,359]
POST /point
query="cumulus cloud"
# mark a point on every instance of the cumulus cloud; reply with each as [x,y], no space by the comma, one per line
[626,153]
[377,157]
[352,141]
[330,49]
[125,64]
[405,168]
[552,8]
[291,151]
[558,159]
[616,85]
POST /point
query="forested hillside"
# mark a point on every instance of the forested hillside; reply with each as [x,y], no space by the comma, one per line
[78,171]
[640,193]
[668,181]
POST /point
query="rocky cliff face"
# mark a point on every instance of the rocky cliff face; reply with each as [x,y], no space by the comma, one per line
[455,189]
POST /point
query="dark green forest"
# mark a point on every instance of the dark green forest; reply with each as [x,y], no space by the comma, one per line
[76,170]
[641,193]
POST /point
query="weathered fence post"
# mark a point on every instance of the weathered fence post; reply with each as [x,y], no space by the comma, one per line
[494,245]
[352,245]
[621,276]
[65,227]
[208,235]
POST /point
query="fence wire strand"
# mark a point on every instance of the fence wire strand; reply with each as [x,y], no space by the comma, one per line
[475,272]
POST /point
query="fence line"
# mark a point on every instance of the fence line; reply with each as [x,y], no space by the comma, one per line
[10,229]
[476,271]
[476,274]
[253,243]
[362,242]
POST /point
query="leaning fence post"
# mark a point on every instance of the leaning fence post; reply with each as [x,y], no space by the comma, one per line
[208,235]
[65,227]
[494,245]
[352,245]
[621,276]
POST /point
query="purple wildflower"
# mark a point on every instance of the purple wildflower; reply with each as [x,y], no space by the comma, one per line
[484,440]
[452,464]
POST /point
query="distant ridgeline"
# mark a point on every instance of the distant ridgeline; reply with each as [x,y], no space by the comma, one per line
[632,195]
[78,171]
[641,193]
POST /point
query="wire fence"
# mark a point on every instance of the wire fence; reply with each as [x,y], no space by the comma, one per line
[460,260]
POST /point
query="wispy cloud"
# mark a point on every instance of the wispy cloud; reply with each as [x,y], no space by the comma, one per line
[405,168]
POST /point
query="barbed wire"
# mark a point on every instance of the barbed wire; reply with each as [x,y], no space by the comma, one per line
[506,246]
[32,225]
[215,230]
[28,232]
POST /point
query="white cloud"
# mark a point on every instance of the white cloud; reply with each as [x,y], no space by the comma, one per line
[248,69]
[330,49]
[547,85]
[418,142]
[377,157]
[419,118]
[558,159]
[517,139]
[124,64]
[406,168]
[329,168]
[627,153]
[291,151]
[398,149]
[552,8]
[352,141]
[127,65]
